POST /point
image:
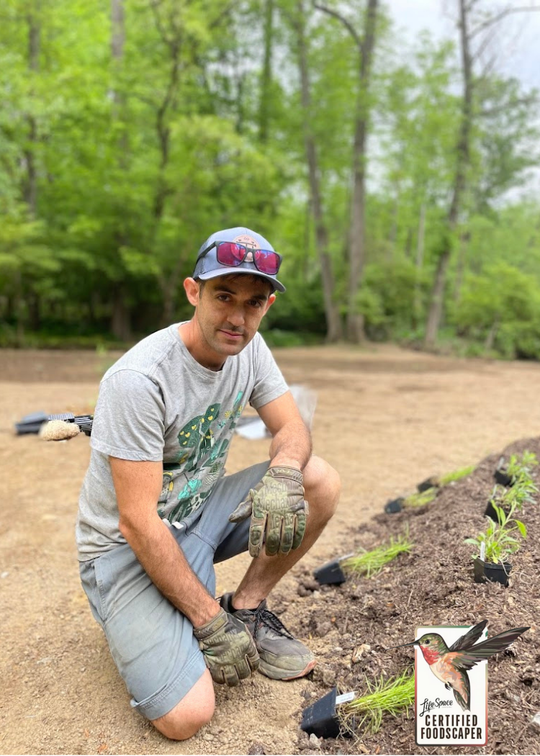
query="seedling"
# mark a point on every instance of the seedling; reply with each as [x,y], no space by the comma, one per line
[451,477]
[518,470]
[370,563]
[443,480]
[521,466]
[499,540]
[421,499]
[391,696]
[513,499]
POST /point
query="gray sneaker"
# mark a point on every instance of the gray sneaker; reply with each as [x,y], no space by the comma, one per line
[282,657]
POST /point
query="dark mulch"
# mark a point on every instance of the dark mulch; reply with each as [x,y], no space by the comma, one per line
[432,586]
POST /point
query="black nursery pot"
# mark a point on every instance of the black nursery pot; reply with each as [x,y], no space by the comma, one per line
[394,506]
[321,718]
[502,478]
[495,573]
[491,513]
[330,573]
[425,485]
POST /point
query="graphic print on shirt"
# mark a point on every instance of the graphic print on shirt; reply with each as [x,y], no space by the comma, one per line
[204,444]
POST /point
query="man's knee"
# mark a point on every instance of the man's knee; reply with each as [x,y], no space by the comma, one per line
[191,713]
[323,486]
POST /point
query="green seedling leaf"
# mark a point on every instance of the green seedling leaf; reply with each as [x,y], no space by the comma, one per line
[370,563]
[393,696]
[456,475]
[421,499]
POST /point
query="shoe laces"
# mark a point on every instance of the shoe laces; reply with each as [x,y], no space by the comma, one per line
[264,616]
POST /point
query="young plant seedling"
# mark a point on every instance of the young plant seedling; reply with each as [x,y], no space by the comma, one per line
[443,480]
[521,466]
[498,541]
[370,563]
[517,470]
[451,477]
[393,696]
[421,499]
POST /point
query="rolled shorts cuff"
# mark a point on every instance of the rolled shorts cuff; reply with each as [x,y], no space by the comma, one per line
[162,702]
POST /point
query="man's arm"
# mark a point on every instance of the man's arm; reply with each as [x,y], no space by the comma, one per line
[291,442]
[276,505]
[138,486]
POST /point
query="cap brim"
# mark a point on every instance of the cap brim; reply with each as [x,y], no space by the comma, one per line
[222,271]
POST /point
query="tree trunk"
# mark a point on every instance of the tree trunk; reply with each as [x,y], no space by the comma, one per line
[490,338]
[169,287]
[118,41]
[19,310]
[417,306]
[121,320]
[392,236]
[462,163]
[460,271]
[333,322]
[34,45]
[121,315]
[266,75]
[34,311]
[365,46]
[355,321]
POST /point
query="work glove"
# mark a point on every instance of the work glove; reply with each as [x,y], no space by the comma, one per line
[278,512]
[228,648]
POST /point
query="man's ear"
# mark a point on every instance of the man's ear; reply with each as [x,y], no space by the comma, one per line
[192,289]
[269,302]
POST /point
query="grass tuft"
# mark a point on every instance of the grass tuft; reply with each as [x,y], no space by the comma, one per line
[370,563]
[456,475]
[421,499]
[392,696]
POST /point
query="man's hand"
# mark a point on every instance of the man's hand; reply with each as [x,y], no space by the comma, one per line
[228,648]
[278,512]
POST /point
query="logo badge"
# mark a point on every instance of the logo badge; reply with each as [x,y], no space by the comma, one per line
[451,686]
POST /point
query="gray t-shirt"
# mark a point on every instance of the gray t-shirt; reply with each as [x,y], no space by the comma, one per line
[157,403]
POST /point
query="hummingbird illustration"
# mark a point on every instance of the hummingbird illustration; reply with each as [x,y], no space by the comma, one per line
[450,665]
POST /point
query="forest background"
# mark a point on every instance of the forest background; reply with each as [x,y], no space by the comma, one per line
[397,177]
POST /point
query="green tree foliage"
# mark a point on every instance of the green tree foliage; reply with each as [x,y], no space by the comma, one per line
[132,129]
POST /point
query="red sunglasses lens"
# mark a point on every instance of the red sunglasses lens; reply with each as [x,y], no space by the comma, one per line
[266,261]
[231,254]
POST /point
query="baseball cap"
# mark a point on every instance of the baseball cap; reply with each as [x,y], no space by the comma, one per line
[208,267]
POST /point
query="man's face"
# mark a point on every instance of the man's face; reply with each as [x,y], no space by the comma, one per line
[229,311]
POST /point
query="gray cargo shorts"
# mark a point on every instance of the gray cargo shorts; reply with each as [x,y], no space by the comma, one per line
[151,642]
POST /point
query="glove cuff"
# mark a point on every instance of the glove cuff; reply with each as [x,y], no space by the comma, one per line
[209,628]
[283,471]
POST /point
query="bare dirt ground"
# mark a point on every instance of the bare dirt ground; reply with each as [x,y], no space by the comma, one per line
[386,418]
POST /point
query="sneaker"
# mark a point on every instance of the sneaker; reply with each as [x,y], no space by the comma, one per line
[282,657]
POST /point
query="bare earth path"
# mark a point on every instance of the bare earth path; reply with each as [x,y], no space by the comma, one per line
[386,418]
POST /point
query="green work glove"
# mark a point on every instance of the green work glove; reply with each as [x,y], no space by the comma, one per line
[228,648]
[278,512]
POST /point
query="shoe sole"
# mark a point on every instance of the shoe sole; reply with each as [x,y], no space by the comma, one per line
[275,673]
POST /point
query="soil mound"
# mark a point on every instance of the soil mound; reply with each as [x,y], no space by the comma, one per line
[431,586]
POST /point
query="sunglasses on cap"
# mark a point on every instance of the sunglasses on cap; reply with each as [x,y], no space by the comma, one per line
[233,254]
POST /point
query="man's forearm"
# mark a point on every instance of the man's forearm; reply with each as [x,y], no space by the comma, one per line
[164,562]
[291,446]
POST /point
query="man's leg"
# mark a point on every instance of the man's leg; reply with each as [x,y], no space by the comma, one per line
[191,713]
[282,657]
[151,642]
[323,486]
